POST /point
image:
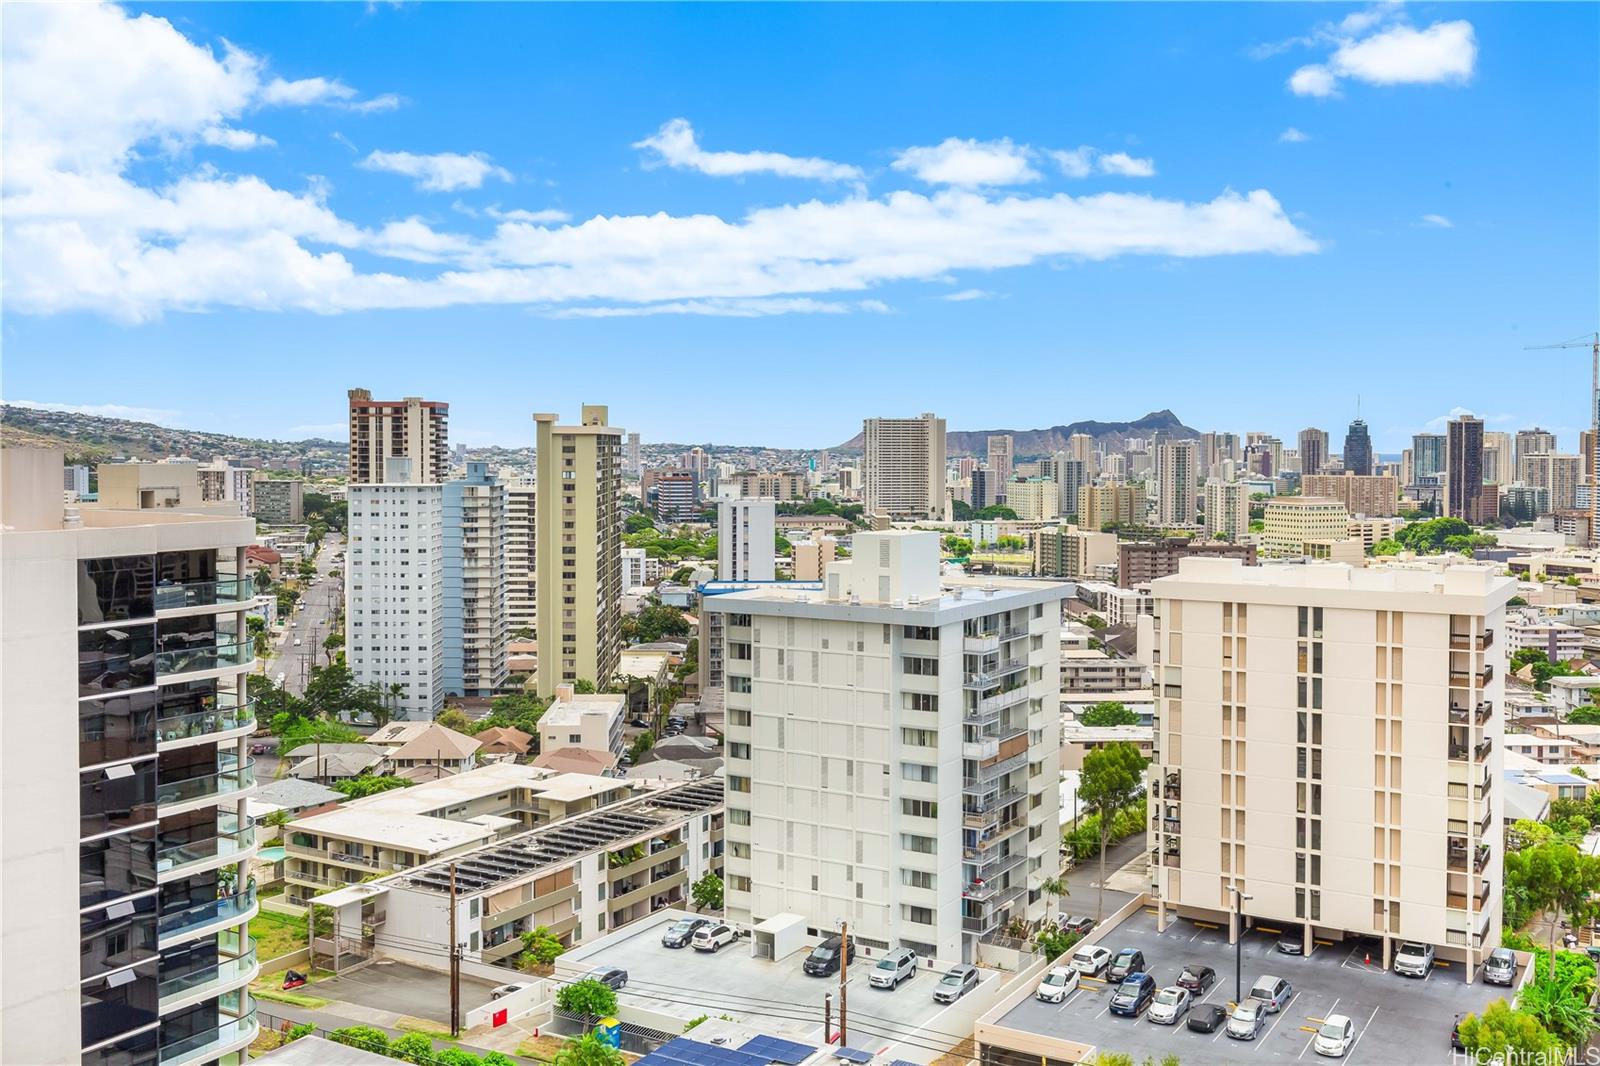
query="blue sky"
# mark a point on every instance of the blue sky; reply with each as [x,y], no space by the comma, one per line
[225,215]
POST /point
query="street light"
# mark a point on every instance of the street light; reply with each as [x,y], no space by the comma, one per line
[1239,898]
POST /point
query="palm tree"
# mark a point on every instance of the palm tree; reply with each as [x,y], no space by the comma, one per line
[1055,888]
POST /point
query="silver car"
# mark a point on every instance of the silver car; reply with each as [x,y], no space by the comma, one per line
[1170,1005]
[1413,959]
[1500,968]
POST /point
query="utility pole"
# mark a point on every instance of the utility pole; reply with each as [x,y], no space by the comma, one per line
[844,977]
[827,1017]
[455,962]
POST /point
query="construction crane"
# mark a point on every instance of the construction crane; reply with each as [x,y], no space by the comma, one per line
[1592,342]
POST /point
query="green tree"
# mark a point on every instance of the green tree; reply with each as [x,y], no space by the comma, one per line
[454,718]
[413,1048]
[641,744]
[369,785]
[1052,942]
[1508,1035]
[956,546]
[1108,713]
[294,731]
[1387,546]
[587,1050]
[362,1036]
[583,687]
[1094,621]
[1560,1001]
[541,946]
[1054,887]
[638,523]
[655,621]
[1112,778]
[588,996]
[262,579]
[1564,880]
[1588,714]
[707,892]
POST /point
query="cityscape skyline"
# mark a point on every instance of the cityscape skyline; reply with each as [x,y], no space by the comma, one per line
[1365,220]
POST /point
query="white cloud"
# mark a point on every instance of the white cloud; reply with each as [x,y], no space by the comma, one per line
[1293,136]
[757,308]
[86,90]
[676,145]
[330,92]
[517,214]
[967,294]
[237,140]
[1445,53]
[1437,222]
[441,172]
[1077,163]
[1126,165]
[969,163]
[158,415]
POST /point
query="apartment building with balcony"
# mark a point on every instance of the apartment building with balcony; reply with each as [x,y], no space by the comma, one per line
[411,428]
[892,749]
[1329,741]
[408,827]
[594,722]
[125,770]
[581,877]
[522,601]
[476,626]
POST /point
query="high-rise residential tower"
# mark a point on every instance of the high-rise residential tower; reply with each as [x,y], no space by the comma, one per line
[412,428]
[893,750]
[578,538]
[1227,510]
[1358,449]
[522,599]
[635,458]
[1001,463]
[1533,441]
[902,467]
[124,774]
[1177,473]
[394,590]
[1339,790]
[1463,492]
[1499,468]
[1427,455]
[1313,444]
[476,623]
[746,539]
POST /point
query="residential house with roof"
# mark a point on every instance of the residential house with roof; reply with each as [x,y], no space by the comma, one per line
[578,761]
[504,740]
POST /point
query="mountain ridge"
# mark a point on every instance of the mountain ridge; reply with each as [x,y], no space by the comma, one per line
[1033,442]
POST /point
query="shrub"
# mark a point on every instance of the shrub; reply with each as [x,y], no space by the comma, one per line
[414,1048]
[454,1056]
[364,1037]
[588,996]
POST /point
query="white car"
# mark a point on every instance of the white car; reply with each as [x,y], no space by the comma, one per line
[1091,961]
[1170,1005]
[1334,1036]
[297,642]
[1412,959]
[1057,983]
[712,937]
[506,990]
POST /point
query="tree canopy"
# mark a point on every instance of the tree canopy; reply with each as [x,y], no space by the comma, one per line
[587,996]
[707,892]
[1112,777]
[1108,713]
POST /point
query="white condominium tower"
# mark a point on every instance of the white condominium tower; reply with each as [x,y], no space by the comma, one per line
[475,551]
[394,590]
[522,603]
[578,550]
[1329,743]
[124,771]
[893,749]
[746,539]
[412,428]
[1177,468]
[1227,509]
[902,467]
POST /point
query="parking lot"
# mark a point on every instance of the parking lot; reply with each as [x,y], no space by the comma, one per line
[777,997]
[403,989]
[1397,1019]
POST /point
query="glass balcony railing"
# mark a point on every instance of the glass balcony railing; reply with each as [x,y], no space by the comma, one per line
[228,778]
[225,972]
[210,912]
[229,714]
[200,1046]
[174,594]
[202,657]
[231,838]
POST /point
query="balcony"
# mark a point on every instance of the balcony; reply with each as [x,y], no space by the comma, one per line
[174,595]
[229,778]
[1456,856]
[983,679]
[204,982]
[204,1046]
[202,657]
[1173,789]
[231,838]
[1171,824]
[1469,642]
[1480,750]
[1458,900]
[978,814]
[990,775]
[981,643]
[989,870]
[219,911]
[993,837]
[230,713]
[1480,714]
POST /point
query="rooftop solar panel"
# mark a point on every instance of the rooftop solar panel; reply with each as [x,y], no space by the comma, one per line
[850,1054]
[774,1049]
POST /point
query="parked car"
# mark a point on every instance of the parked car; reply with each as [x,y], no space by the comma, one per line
[1271,992]
[899,965]
[1292,941]
[1075,923]
[824,958]
[1205,1018]
[712,935]
[1170,1005]
[1091,961]
[1197,979]
[1455,1035]
[639,723]
[1247,1020]
[1500,968]
[1057,983]
[1412,959]
[1133,995]
[613,977]
[1129,961]
[297,642]
[1334,1036]
[680,933]
[506,990]
[957,982]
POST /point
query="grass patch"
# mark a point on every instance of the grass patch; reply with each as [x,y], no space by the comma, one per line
[295,998]
[543,1048]
[426,1026]
[277,934]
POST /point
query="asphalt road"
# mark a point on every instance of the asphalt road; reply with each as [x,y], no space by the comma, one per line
[290,665]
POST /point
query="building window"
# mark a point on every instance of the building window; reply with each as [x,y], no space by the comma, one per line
[919,808]
[913,771]
[920,844]
[917,878]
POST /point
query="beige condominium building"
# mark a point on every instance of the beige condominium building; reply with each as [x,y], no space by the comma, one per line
[578,549]
[1329,743]
[124,772]
[522,601]
[1110,504]
[1067,551]
[1035,499]
[1227,509]
[1291,521]
[1373,495]
[412,428]
[902,467]
[892,750]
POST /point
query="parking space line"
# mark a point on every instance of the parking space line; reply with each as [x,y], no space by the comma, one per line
[1351,1053]
[1278,1016]
[1313,1029]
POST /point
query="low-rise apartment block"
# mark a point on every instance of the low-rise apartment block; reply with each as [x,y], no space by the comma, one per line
[1089,671]
[1293,521]
[1372,495]
[1141,562]
[280,501]
[1111,504]
[1330,745]
[592,722]
[1068,551]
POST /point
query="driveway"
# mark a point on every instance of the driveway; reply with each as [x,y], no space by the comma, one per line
[404,990]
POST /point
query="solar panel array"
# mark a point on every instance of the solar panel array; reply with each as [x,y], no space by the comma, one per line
[777,1050]
[850,1054]
[682,1051]
[567,839]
